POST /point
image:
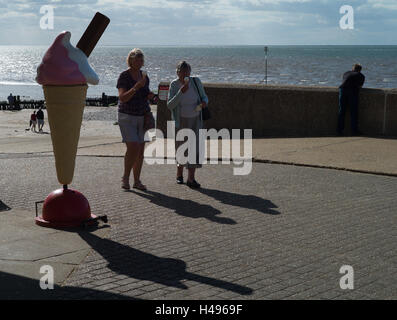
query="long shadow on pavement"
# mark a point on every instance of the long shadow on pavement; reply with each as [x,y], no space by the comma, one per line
[186,208]
[140,265]
[241,200]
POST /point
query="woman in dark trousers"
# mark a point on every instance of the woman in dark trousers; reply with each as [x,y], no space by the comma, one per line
[134,93]
[184,96]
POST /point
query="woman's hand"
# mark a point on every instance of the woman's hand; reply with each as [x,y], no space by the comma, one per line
[140,84]
[152,97]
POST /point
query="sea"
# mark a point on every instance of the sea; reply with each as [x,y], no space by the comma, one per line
[286,65]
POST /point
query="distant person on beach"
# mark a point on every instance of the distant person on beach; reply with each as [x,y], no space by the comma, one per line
[40,119]
[33,118]
[185,95]
[11,101]
[349,92]
[17,102]
[134,93]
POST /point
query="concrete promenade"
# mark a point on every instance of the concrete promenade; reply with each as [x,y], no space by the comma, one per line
[282,232]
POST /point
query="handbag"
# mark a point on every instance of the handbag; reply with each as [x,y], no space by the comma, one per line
[148,121]
[205,111]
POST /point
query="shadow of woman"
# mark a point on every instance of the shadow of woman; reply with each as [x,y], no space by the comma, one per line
[140,265]
[241,200]
[186,208]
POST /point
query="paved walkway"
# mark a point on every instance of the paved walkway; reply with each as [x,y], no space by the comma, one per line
[361,154]
[281,232]
[100,137]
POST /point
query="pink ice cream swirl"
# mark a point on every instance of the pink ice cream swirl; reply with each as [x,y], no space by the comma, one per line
[64,64]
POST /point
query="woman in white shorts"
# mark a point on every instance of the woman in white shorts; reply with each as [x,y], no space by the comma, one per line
[134,93]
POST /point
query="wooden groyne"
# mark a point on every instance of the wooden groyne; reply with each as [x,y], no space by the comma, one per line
[103,101]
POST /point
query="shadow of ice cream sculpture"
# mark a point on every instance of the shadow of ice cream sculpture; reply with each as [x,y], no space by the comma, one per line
[64,73]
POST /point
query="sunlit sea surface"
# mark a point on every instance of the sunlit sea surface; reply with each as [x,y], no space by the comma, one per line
[292,65]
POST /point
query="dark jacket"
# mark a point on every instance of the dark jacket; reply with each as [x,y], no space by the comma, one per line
[352,81]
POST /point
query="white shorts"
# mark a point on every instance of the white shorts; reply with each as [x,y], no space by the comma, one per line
[131,127]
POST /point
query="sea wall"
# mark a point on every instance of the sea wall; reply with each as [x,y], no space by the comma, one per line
[291,111]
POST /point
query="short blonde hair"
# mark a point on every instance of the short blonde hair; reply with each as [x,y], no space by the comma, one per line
[136,52]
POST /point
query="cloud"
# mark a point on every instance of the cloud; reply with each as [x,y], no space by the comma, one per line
[186,22]
[383,4]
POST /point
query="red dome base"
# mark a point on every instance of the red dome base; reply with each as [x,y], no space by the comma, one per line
[64,208]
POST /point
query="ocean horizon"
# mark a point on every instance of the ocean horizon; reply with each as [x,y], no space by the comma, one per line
[301,65]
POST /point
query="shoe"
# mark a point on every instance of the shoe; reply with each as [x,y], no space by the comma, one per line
[179,180]
[193,184]
[340,134]
[138,185]
[125,184]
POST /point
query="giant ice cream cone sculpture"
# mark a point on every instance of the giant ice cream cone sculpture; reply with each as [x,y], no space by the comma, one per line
[65,107]
[64,74]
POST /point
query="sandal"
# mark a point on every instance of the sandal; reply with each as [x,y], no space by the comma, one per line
[193,184]
[138,185]
[125,183]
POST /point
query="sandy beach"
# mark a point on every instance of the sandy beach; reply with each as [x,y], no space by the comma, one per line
[96,121]
[98,128]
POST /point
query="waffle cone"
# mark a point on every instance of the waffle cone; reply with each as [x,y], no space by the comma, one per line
[65,107]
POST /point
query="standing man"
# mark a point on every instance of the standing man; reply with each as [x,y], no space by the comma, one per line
[349,92]
[40,119]
[11,101]
[17,102]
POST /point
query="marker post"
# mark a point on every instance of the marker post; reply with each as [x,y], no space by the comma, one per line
[266,51]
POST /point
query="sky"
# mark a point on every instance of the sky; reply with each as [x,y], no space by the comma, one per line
[204,22]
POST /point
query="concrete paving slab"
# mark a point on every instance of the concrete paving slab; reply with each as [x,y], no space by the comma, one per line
[22,145]
[69,258]
[41,247]
[31,270]
[365,154]
[25,247]
[18,225]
